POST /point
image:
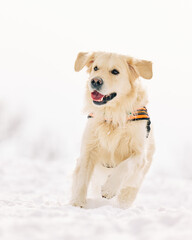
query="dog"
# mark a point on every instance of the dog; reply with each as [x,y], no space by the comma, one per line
[118,135]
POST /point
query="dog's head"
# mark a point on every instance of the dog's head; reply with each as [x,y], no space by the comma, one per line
[111,76]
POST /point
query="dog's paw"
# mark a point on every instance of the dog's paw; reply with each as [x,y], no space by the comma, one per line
[108,191]
[78,203]
[127,196]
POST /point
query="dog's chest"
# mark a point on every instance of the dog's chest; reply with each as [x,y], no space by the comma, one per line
[118,143]
[112,137]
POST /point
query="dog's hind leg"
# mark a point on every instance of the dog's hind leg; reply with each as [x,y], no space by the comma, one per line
[150,151]
[127,196]
[128,192]
[127,173]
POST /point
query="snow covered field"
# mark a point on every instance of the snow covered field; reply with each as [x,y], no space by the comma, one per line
[41,120]
[34,205]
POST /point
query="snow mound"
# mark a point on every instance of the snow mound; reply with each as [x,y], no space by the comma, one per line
[34,200]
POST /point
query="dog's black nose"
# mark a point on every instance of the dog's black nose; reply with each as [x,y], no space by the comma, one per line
[96,83]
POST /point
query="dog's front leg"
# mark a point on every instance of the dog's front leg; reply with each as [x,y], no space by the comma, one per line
[127,173]
[81,178]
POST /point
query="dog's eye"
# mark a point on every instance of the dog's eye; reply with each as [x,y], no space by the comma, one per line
[115,72]
[96,68]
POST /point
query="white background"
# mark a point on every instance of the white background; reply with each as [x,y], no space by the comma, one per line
[39,41]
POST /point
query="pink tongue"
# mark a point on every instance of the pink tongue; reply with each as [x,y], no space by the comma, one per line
[96,95]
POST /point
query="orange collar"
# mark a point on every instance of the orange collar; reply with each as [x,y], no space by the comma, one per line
[139,114]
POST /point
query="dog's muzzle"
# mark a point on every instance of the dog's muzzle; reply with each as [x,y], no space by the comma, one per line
[100,99]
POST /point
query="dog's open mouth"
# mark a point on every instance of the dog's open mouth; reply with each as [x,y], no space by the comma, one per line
[100,99]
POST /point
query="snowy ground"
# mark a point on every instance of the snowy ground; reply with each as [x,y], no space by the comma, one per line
[34,205]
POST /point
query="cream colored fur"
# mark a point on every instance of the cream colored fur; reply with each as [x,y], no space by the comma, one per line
[109,139]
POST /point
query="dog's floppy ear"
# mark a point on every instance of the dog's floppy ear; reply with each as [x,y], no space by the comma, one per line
[84,58]
[140,68]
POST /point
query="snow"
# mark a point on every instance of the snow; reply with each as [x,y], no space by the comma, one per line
[41,120]
[34,200]
[35,183]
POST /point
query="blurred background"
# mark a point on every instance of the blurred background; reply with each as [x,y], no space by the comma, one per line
[41,97]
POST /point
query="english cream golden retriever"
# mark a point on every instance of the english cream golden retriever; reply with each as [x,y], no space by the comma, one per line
[118,137]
